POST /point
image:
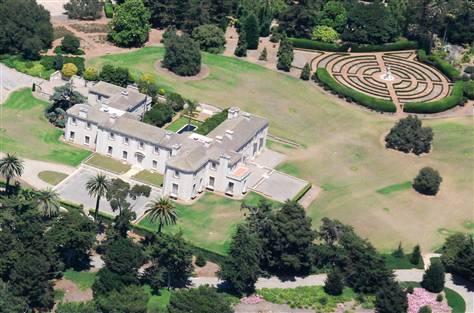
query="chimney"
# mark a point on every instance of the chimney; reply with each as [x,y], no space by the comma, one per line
[113,117]
[168,135]
[124,93]
[233,112]
[246,116]
[175,149]
[83,112]
[229,134]
[219,139]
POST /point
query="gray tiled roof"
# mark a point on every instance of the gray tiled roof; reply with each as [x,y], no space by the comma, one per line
[94,115]
[116,98]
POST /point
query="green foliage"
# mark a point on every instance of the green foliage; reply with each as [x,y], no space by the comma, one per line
[76,307]
[212,122]
[416,255]
[391,299]
[182,55]
[302,43]
[285,55]
[203,299]
[25,28]
[63,98]
[175,100]
[306,72]
[70,44]
[399,253]
[455,301]
[409,136]
[91,74]
[108,9]
[333,15]
[131,299]
[69,70]
[439,298]
[445,67]
[242,267]
[119,76]
[264,55]
[210,38]
[333,284]
[469,89]
[83,9]
[434,277]
[458,255]
[363,99]
[252,31]
[200,261]
[427,181]
[425,309]
[325,34]
[241,49]
[159,115]
[454,99]
[42,68]
[11,303]
[130,24]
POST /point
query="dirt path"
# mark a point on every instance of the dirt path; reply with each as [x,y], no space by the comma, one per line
[72,293]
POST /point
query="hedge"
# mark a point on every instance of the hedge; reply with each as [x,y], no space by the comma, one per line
[359,97]
[455,98]
[79,62]
[323,46]
[445,67]
[108,9]
[211,123]
[302,192]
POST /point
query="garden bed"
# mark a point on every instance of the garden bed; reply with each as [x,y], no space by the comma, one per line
[150,178]
[108,164]
[52,177]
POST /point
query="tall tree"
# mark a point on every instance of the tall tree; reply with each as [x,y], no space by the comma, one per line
[182,56]
[10,167]
[130,24]
[48,202]
[458,255]
[391,299]
[97,186]
[285,55]
[241,49]
[241,268]
[83,9]
[163,211]
[433,279]
[203,299]
[252,31]
[333,284]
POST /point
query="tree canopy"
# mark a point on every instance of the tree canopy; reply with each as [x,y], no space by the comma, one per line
[182,55]
[130,24]
[83,9]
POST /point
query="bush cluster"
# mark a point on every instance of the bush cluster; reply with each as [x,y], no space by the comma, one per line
[455,98]
[212,123]
[182,55]
[409,136]
[370,102]
[445,67]
[56,62]
[428,181]
[333,47]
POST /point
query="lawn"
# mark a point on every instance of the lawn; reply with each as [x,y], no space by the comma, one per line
[395,263]
[180,123]
[157,303]
[52,177]
[208,223]
[108,164]
[25,131]
[344,151]
[395,188]
[148,177]
[83,280]
[455,301]
[312,297]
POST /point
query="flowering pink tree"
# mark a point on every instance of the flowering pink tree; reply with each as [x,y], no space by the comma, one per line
[420,297]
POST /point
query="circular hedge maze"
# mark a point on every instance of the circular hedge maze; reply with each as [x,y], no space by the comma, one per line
[410,80]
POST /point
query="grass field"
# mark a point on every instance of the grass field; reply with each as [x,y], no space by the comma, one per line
[208,223]
[52,177]
[106,163]
[148,177]
[25,131]
[455,301]
[84,280]
[395,263]
[157,303]
[395,188]
[344,151]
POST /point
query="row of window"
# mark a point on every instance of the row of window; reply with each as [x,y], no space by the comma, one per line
[139,157]
[141,144]
[74,122]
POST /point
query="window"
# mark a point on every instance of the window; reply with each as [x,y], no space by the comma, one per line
[175,189]
[212,181]
[71,136]
[141,145]
[109,150]
[230,188]
[111,136]
[87,139]
[124,155]
[125,140]
[176,174]
[156,150]
[213,166]
[154,164]
[88,125]
[73,121]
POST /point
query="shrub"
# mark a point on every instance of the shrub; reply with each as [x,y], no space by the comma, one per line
[325,34]
[108,9]
[212,122]
[69,70]
[91,74]
[399,252]
[439,298]
[409,136]
[427,182]
[83,9]
[306,72]
[175,100]
[469,89]
[425,309]
[333,285]
[455,98]
[210,38]
[264,55]
[130,24]
[365,100]
[445,67]
[415,257]
[241,49]
[200,261]
[469,69]
[410,289]
[119,76]
[285,55]
[70,44]
[159,115]
[252,31]
[182,56]
[323,46]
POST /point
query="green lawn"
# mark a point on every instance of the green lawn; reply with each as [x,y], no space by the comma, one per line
[455,301]
[84,280]
[157,303]
[311,298]
[208,223]
[107,163]
[52,177]
[394,188]
[150,178]
[25,131]
[344,151]
[395,263]
[180,123]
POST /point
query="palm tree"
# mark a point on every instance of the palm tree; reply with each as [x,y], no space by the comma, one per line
[10,167]
[97,186]
[48,202]
[163,211]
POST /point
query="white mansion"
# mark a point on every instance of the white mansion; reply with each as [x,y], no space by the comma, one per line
[110,125]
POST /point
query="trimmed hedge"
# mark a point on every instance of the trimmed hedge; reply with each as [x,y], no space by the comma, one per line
[302,192]
[212,122]
[323,46]
[445,67]
[376,104]
[108,9]
[455,98]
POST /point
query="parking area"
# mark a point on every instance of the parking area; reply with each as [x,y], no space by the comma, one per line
[279,186]
[73,189]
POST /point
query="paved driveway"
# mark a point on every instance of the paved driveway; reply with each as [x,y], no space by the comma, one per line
[11,80]
[280,186]
[73,189]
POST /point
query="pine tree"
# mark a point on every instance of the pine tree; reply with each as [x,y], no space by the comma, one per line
[242,267]
[333,284]
[416,255]
[399,252]
[391,299]
[241,50]
[252,31]
[285,54]
[433,279]
[263,56]
[306,72]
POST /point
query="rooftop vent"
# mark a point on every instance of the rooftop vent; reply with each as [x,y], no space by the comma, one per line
[124,93]
[229,134]
[83,112]
[219,139]
[246,115]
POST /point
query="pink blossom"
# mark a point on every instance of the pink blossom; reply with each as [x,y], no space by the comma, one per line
[420,297]
[254,299]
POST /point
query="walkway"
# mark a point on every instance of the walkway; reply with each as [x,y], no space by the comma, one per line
[11,80]
[318,280]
